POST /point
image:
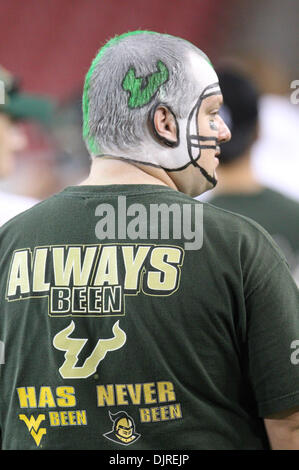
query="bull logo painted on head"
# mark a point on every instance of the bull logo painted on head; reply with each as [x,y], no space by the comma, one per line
[143,89]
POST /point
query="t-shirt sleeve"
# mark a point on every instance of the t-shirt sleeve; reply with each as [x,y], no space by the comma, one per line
[272,331]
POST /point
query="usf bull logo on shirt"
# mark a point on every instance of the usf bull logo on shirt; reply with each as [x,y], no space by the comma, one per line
[73,346]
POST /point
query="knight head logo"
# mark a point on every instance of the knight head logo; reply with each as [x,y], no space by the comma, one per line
[123,431]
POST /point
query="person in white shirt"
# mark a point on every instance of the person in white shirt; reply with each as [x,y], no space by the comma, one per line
[16,106]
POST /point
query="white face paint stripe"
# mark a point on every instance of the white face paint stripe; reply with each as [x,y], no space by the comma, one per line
[202,71]
[215,91]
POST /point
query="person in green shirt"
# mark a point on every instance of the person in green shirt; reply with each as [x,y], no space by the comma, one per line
[239,190]
[132,316]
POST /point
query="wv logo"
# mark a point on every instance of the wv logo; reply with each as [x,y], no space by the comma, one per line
[33,425]
[143,89]
[73,347]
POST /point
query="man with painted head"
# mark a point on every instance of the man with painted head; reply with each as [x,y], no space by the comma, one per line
[153,109]
[126,295]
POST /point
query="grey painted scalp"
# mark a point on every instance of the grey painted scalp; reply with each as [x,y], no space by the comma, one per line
[109,123]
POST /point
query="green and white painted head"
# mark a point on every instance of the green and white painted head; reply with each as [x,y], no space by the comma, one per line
[129,77]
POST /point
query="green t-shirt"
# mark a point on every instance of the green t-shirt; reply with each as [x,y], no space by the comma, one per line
[278,214]
[142,343]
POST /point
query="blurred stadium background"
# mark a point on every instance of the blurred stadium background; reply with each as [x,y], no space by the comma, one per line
[49,45]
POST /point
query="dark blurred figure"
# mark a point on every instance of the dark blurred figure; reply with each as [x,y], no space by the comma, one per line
[238,189]
[16,108]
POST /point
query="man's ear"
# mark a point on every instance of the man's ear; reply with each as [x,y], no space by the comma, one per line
[165,125]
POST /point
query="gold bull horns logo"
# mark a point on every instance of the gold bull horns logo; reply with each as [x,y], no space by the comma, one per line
[73,347]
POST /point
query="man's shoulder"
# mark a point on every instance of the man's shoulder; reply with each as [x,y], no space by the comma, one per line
[226,216]
[225,220]
[28,212]
[245,229]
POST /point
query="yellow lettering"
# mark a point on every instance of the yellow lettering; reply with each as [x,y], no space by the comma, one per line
[107,268]
[54,418]
[164,413]
[149,392]
[155,412]
[46,398]
[135,393]
[145,416]
[72,265]
[133,265]
[68,418]
[175,411]
[72,418]
[19,275]
[81,417]
[167,281]
[165,391]
[105,395]
[121,392]
[27,397]
[39,270]
[65,396]
[63,418]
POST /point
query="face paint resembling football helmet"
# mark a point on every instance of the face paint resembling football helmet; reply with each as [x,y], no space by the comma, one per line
[195,141]
[186,150]
[139,90]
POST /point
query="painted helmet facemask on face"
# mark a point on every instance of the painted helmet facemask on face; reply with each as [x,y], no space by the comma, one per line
[186,149]
[195,141]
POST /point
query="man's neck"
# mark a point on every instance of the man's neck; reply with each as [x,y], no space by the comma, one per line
[107,170]
[237,177]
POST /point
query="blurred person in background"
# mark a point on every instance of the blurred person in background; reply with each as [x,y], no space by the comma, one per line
[239,190]
[16,107]
[265,47]
[278,122]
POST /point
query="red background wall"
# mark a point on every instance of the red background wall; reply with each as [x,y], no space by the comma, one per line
[50,43]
